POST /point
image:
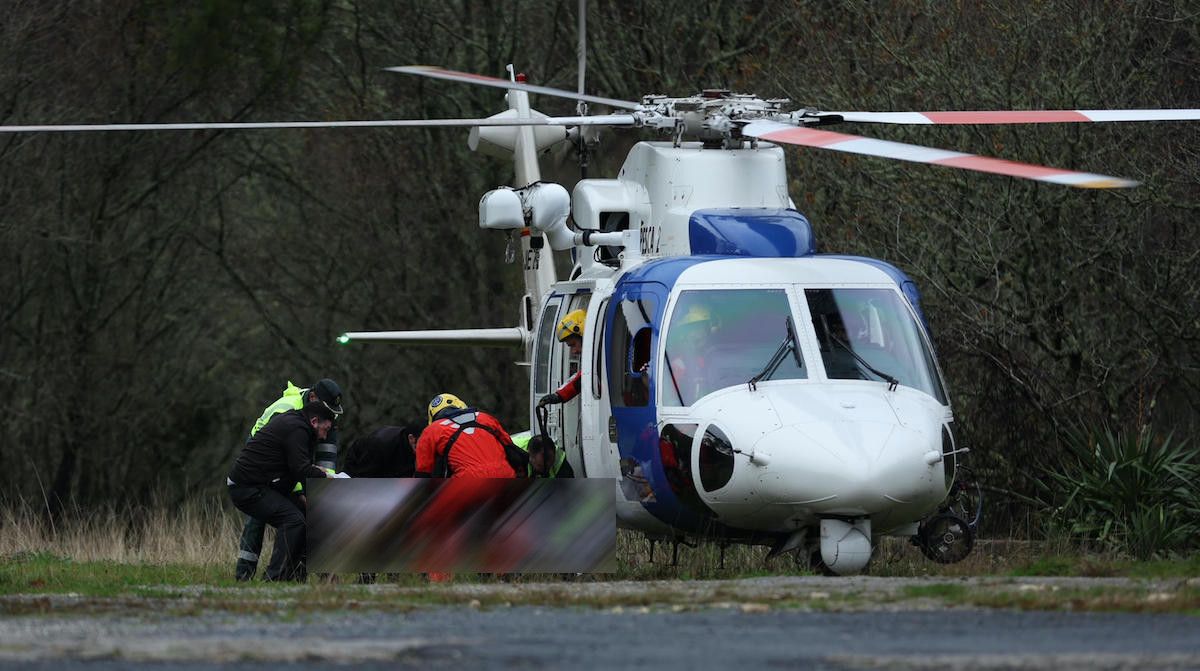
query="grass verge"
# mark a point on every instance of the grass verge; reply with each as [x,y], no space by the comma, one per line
[181,562]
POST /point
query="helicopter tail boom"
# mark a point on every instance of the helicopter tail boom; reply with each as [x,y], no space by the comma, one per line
[493,337]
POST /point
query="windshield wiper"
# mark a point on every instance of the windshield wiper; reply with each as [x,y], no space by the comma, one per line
[892,382]
[788,344]
[674,382]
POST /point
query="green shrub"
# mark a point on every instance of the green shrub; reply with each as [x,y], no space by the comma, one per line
[1132,492]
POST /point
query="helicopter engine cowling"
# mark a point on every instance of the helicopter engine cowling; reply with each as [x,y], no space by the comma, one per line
[549,205]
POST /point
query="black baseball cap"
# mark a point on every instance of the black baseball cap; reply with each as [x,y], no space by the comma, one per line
[329,394]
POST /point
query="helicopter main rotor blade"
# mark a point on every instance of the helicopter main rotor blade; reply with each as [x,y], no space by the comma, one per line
[774,131]
[496,82]
[1019,116]
[600,120]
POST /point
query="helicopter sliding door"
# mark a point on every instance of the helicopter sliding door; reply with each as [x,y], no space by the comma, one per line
[543,352]
[564,417]
[553,366]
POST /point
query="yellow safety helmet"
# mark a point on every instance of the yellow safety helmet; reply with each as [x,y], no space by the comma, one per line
[695,314]
[442,402]
[571,325]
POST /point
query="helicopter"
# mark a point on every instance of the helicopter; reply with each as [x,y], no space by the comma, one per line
[738,385]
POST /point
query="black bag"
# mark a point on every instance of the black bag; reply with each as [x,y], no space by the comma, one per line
[515,456]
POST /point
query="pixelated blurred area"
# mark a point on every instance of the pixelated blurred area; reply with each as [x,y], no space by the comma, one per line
[461,524]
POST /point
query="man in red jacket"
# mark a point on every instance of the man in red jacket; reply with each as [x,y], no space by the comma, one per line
[570,333]
[462,442]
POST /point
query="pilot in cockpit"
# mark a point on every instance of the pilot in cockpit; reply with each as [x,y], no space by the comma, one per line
[687,342]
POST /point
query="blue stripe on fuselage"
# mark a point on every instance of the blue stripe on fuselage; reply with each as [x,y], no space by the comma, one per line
[637,426]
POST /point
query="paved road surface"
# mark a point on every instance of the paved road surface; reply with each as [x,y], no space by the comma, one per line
[731,638]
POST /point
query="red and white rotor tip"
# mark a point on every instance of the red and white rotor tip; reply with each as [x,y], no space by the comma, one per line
[773,131]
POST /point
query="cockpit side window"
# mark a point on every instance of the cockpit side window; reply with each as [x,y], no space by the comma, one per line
[629,372]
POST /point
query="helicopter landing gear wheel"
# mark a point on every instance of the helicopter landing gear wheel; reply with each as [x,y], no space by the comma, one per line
[945,538]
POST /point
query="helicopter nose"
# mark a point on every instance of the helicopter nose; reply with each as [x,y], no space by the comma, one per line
[799,452]
[797,473]
[842,468]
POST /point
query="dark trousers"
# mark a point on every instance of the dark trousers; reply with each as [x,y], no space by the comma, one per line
[279,511]
[249,547]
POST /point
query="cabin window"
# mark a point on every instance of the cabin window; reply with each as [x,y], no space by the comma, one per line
[722,338]
[598,352]
[872,334]
[629,369]
[545,346]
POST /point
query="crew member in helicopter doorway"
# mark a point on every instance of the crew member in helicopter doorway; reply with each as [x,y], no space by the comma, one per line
[278,456]
[570,332]
[325,391]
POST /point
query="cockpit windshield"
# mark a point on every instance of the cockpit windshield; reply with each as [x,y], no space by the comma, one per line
[720,338]
[870,334]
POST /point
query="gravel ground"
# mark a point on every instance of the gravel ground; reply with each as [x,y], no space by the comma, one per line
[811,622]
[526,637]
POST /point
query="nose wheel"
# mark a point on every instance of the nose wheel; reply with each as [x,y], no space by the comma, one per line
[948,537]
[945,538]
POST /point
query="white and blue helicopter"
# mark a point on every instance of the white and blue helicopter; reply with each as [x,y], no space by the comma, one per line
[737,385]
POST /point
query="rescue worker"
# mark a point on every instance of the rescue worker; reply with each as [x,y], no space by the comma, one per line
[463,442]
[539,448]
[327,392]
[546,460]
[570,332]
[387,452]
[272,462]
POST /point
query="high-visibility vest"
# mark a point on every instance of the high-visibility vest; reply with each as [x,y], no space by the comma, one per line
[522,439]
[292,399]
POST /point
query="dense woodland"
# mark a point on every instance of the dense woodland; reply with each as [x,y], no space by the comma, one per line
[160,288]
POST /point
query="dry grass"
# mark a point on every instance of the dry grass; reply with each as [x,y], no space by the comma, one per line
[204,534]
[199,533]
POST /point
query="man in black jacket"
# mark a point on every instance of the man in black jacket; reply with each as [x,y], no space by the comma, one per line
[277,457]
[387,452]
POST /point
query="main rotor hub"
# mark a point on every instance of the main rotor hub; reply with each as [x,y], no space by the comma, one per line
[715,116]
